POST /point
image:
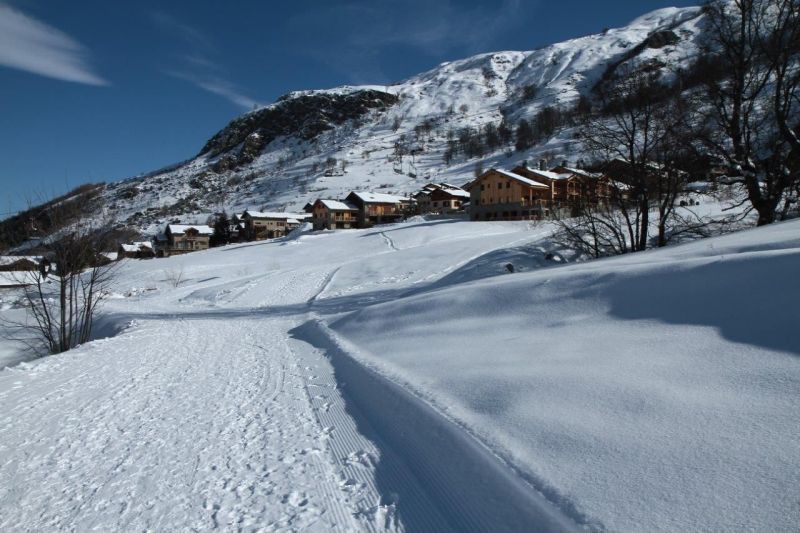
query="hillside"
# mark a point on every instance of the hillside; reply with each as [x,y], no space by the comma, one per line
[399,378]
[394,138]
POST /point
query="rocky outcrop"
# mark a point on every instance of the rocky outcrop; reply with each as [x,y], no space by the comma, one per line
[302,115]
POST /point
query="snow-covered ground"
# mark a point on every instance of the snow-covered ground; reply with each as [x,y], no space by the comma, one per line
[401,378]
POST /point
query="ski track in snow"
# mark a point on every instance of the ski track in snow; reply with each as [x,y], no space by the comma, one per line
[218,433]
[219,424]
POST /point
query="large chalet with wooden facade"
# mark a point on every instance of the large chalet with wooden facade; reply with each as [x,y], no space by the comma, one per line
[258,225]
[183,238]
[333,214]
[524,193]
[441,198]
[502,195]
[378,208]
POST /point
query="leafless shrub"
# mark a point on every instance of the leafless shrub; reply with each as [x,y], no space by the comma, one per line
[62,303]
[174,276]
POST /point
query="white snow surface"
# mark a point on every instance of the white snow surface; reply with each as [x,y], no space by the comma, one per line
[180,229]
[399,378]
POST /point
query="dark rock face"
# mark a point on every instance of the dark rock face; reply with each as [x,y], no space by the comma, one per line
[660,39]
[304,116]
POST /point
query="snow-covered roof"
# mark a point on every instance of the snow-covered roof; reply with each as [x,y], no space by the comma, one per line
[444,187]
[553,176]
[137,246]
[276,215]
[581,172]
[11,259]
[379,198]
[180,229]
[337,205]
[521,179]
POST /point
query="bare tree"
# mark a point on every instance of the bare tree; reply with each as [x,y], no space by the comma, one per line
[63,304]
[628,134]
[174,276]
[598,230]
[753,98]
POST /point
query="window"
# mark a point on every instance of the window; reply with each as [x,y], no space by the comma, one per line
[482,187]
[508,185]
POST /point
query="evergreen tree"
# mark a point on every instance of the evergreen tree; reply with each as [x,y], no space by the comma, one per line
[222,230]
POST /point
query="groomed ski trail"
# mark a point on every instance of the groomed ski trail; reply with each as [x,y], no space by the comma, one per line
[209,427]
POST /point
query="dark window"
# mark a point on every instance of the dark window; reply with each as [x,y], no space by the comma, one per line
[508,185]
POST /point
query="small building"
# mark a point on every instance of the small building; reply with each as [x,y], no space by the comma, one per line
[502,195]
[259,225]
[20,263]
[334,214]
[378,208]
[22,270]
[441,198]
[184,238]
[136,250]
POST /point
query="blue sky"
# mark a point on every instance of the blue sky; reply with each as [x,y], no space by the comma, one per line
[98,91]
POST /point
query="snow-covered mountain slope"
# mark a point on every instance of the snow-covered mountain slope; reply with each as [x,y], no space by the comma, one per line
[400,378]
[327,142]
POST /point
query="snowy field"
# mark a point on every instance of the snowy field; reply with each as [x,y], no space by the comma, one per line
[400,378]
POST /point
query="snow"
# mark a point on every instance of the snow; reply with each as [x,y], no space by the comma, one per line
[338,205]
[277,215]
[554,176]
[521,179]
[12,259]
[18,278]
[399,378]
[179,229]
[137,246]
[379,198]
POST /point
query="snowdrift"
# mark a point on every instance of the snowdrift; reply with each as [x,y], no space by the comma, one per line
[657,390]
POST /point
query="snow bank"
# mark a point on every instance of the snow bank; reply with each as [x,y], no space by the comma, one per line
[463,481]
[657,390]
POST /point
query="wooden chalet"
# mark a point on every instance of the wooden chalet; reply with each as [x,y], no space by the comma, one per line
[378,208]
[334,214]
[440,198]
[595,187]
[136,250]
[259,225]
[20,263]
[502,195]
[22,270]
[184,238]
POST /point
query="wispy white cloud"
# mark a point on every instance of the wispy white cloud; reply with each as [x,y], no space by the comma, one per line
[195,66]
[33,46]
[217,86]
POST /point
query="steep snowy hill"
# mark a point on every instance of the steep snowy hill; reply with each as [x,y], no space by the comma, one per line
[394,138]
